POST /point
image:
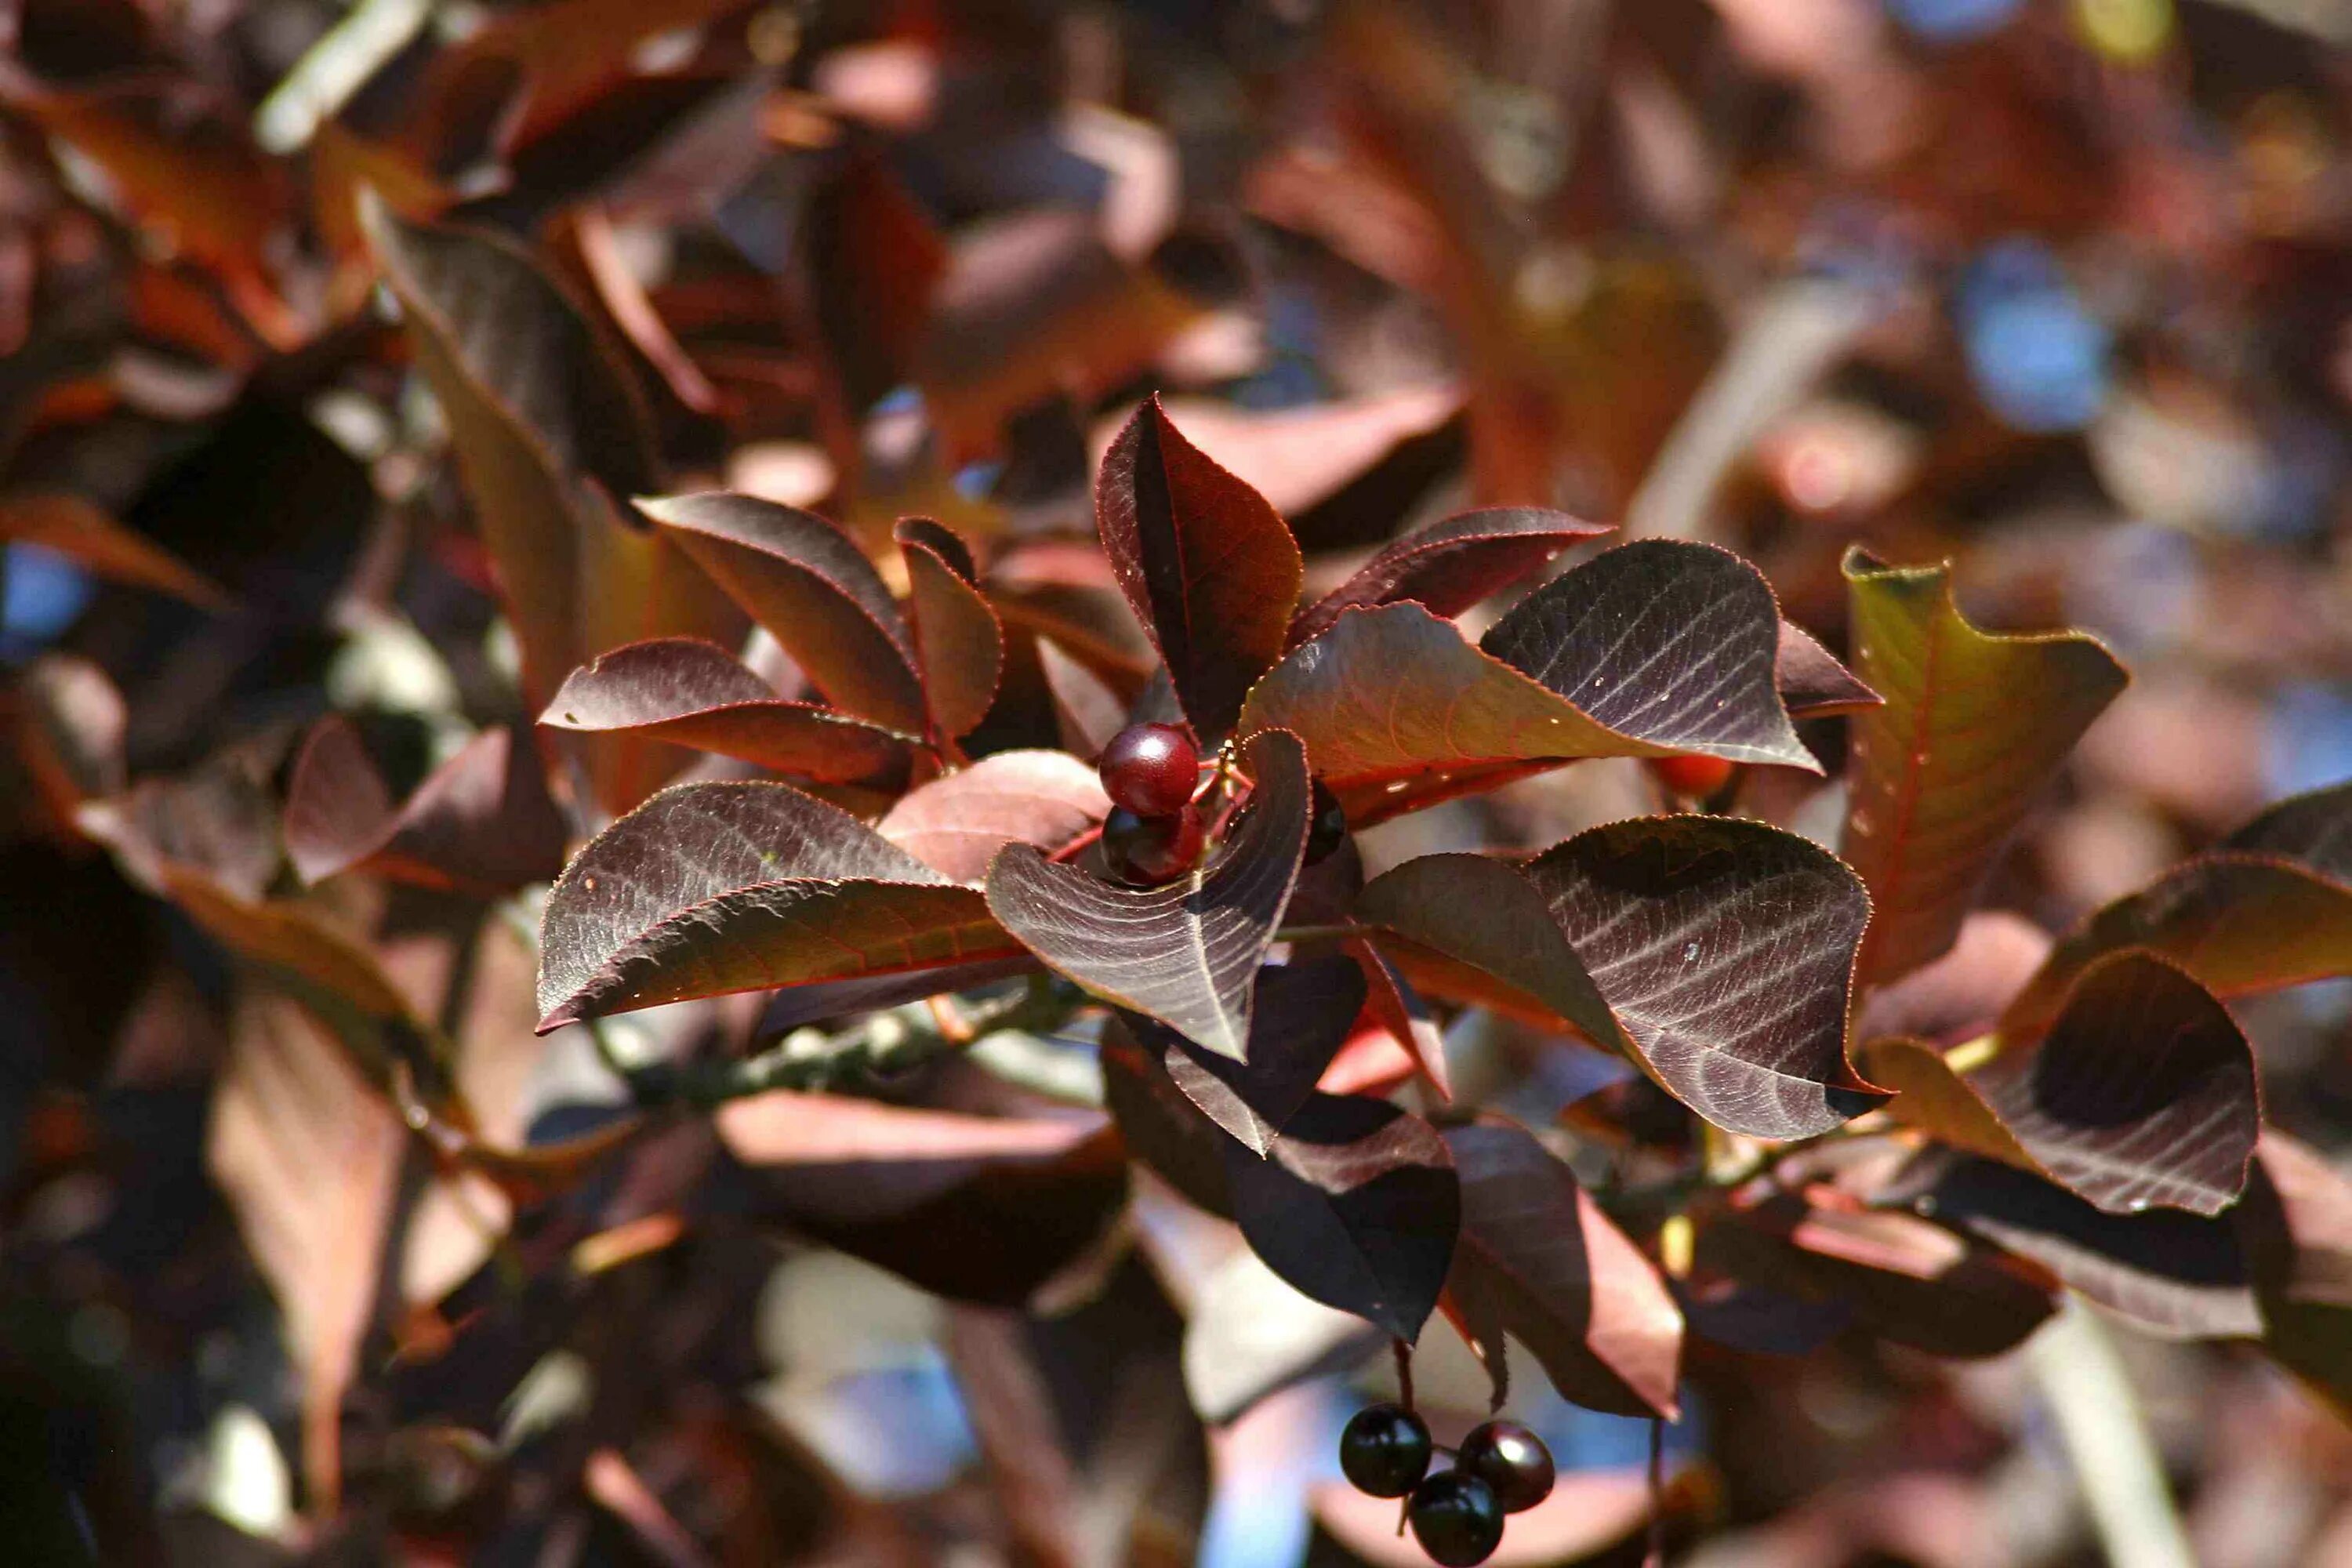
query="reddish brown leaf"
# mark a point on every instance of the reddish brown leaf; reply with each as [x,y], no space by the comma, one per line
[481,821]
[688,692]
[1539,1261]
[1814,685]
[1302,1013]
[813,590]
[1209,568]
[956,823]
[80,533]
[1187,953]
[1403,1014]
[1715,952]
[959,647]
[717,887]
[2141,1095]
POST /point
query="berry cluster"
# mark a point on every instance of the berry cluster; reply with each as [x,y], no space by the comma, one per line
[1456,1514]
[1154,832]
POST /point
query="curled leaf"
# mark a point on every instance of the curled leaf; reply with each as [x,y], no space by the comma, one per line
[481,821]
[1450,565]
[958,646]
[1186,955]
[957,822]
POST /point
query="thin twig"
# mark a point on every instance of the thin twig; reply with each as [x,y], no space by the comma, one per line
[2098,1416]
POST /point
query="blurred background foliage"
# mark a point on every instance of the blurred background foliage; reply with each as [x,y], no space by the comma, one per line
[2059,289]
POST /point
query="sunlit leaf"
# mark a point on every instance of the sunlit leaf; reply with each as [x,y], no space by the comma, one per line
[1538,1260]
[715,888]
[2142,1094]
[1942,772]
[1646,650]
[1356,1206]
[1210,569]
[958,646]
[2270,906]
[1814,685]
[815,591]
[1450,565]
[957,823]
[1186,953]
[1715,952]
[688,692]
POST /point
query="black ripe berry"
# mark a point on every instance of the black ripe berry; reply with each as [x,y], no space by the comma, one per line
[1151,769]
[1456,1518]
[1384,1451]
[1327,825]
[1511,1459]
[1145,851]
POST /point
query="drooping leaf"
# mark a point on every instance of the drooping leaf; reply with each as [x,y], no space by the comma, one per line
[309,1156]
[1357,1206]
[2178,1275]
[1210,569]
[83,534]
[1942,772]
[481,821]
[1901,1278]
[1646,650]
[1160,1126]
[2296,1226]
[957,823]
[1717,953]
[1450,565]
[1538,1260]
[688,692]
[1301,1015]
[815,591]
[2270,906]
[2142,1094]
[979,1208]
[1186,953]
[717,887]
[958,646]
[1087,711]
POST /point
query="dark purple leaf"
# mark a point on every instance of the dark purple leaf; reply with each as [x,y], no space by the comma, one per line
[1716,953]
[1450,565]
[689,692]
[1186,955]
[715,888]
[959,647]
[1302,1014]
[957,823]
[813,590]
[1357,1206]
[2142,1094]
[1538,1260]
[1813,684]
[1160,1127]
[1210,569]
[2178,1275]
[481,821]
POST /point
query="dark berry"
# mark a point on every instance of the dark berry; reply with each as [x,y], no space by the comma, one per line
[1327,825]
[1384,1452]
[1145,851]
[1511,1459]
[1456,1518]
[1151,769]
[1690,775]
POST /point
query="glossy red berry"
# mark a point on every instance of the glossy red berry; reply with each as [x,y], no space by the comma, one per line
[1327,825]
[1151,769]
[1456,1518]
[1690,775]
[1511,1459]
[1146,851]
[1384,1452]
